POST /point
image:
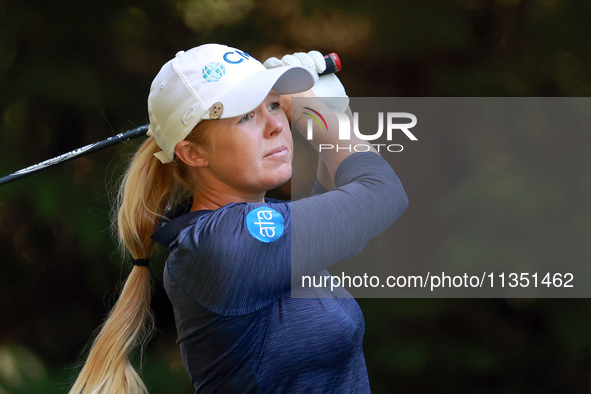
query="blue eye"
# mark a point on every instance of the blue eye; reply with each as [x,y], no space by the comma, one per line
[246,117]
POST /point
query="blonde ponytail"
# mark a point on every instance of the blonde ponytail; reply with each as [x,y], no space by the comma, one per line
[147,188]
[108,369]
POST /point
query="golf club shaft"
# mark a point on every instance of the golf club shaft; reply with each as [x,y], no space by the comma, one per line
[85,150]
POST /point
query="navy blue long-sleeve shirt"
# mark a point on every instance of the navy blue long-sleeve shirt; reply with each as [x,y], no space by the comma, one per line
[229,276]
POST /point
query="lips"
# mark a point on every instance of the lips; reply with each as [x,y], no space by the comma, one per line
[277,151]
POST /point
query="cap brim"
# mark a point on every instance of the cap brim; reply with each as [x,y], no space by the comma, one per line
[248,94]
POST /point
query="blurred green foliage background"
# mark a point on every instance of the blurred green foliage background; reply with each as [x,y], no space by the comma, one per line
[76,72]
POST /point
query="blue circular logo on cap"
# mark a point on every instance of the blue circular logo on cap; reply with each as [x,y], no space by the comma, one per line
[265,224]
[213,72]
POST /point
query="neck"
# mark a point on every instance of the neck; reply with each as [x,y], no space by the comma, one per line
[210,199]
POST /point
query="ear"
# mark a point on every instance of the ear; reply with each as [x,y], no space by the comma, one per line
[190,154]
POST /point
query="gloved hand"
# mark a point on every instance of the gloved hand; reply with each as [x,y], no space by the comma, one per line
[328,88]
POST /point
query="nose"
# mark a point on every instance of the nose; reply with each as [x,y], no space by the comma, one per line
[273,122]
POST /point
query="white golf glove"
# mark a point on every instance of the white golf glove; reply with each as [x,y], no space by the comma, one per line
[328,87]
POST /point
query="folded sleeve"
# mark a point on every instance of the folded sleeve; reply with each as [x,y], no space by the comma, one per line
[318,188]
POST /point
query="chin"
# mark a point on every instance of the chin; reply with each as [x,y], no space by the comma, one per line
[282,176]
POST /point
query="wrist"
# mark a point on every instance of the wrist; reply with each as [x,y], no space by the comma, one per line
[293,108]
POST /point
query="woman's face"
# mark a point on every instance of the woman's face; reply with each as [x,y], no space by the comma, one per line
[250,154]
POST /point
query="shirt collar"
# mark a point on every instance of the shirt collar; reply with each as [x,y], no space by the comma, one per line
[168,230]
[174,221]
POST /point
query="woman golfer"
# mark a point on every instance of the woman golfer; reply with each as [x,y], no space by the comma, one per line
[220,134]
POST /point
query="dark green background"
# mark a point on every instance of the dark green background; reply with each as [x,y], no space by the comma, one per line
[74,72]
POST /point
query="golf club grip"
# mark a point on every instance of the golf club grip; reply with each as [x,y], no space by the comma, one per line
[333,64]
[85,150]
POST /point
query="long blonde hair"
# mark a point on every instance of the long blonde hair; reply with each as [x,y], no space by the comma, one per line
[147,189]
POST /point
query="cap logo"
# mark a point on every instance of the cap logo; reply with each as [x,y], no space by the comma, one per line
[213,72]
[216,111]
[237,57]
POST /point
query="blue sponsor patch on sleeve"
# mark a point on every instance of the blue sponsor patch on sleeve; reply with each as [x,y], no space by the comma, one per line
[265,224]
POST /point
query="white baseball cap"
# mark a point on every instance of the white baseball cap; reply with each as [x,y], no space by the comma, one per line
[212,81]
